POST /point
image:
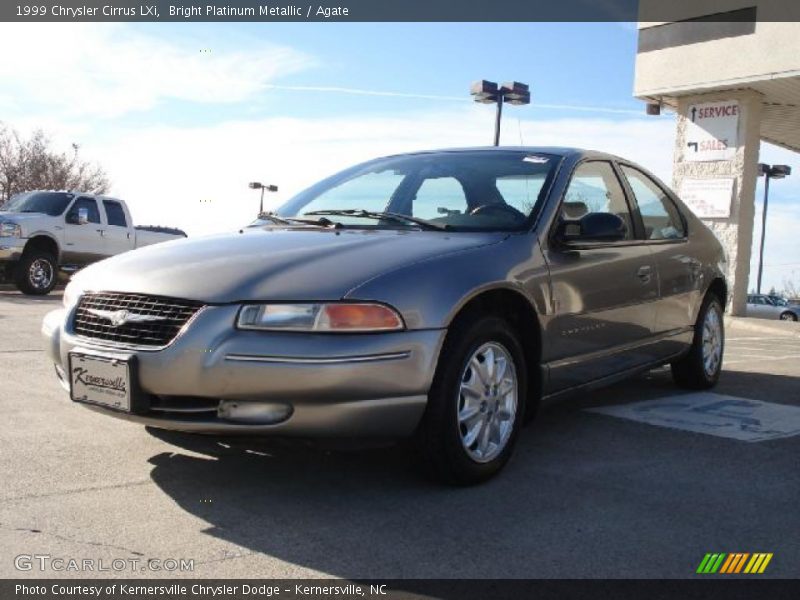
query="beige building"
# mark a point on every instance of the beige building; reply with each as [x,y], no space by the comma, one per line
[730,69]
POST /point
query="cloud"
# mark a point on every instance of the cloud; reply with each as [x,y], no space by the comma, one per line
[82,70]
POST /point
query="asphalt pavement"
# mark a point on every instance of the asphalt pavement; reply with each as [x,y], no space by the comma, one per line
[587,494]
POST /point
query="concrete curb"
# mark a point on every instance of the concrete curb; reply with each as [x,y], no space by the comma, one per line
[769,328]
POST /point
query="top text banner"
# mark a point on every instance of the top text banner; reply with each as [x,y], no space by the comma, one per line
[368,10]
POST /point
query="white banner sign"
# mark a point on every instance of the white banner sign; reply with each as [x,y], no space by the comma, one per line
[708,198]
[712,131]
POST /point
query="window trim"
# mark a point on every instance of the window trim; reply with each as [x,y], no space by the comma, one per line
[667,194]
[638,229]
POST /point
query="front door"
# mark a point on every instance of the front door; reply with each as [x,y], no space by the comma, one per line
[604,295]
[83,243]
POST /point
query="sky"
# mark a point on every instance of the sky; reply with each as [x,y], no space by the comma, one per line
[183,115]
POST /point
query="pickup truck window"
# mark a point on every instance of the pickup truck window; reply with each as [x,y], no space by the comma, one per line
[115,213]
[90,203]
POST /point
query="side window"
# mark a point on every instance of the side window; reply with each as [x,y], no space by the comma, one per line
[84,202]
[661,219]
[594,188]
[439,197]
[115,213]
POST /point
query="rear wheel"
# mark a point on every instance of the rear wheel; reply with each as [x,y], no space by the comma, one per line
[787,316]
[701,367]
[36,273]
[476,403]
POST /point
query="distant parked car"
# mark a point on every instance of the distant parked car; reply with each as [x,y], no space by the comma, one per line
[763,306]
[42,232]
[439,295]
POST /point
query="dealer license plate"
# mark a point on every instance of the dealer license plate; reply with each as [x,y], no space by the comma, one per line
[100,380]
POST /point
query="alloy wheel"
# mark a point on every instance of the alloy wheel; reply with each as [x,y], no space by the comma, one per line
[487,402]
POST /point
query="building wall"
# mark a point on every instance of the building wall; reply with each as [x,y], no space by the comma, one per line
[771,51]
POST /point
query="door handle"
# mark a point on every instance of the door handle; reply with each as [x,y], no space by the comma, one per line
[102,232]
[644,273]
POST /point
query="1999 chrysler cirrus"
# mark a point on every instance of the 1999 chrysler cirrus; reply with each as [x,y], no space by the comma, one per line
[439,295]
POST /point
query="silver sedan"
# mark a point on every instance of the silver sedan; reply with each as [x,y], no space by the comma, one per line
[438,295]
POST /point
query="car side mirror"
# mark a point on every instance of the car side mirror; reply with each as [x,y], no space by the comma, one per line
[83,216]
[593,227]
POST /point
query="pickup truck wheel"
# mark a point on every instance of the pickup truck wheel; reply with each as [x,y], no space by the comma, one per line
[476,403]
[701,367]
[36,273]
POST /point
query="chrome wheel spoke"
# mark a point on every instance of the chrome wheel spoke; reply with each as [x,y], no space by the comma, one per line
[468,413]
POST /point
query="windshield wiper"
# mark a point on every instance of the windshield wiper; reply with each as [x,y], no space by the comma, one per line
[388,216]
[323,222]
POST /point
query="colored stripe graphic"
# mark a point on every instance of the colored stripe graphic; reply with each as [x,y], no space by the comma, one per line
[734,563]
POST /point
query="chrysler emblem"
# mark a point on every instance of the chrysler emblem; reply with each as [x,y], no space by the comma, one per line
[118,318]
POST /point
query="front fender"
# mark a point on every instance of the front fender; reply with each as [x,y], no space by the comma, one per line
[430,293]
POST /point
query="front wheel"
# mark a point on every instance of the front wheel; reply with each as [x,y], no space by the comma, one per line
[787,316]
[701,367]
[37,273]
[476,403]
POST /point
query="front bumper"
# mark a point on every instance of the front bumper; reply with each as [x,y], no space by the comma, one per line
[214,378]
[11,248]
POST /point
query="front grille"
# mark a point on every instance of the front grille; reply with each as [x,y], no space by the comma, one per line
[95,315]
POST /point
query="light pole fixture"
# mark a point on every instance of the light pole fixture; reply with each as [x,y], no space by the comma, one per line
[769,172]
[488,92]
[257,185]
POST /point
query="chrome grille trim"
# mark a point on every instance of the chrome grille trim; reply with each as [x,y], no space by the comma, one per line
[172,314]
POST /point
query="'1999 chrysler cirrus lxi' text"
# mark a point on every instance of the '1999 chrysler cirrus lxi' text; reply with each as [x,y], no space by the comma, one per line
[436,295]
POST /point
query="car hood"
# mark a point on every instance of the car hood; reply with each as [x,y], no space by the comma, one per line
[22,217]
[272,263]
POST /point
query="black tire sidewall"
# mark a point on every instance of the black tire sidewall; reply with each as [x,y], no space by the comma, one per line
[23,273]
[441,415]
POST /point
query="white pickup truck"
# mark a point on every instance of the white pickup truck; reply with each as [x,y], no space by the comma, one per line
[43,232]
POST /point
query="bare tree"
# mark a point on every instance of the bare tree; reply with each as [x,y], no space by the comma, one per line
[31,164]
[791,290]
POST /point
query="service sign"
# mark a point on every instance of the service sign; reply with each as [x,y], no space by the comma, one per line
[712,131]
[708,198]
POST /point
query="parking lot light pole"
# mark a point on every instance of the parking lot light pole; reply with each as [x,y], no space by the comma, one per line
[769,172]
[256,185]
[488,92]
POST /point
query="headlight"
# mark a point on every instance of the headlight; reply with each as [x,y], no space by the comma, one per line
[72,294]
[335,317]
[10,229]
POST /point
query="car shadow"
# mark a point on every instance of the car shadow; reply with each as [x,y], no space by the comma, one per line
[577,482]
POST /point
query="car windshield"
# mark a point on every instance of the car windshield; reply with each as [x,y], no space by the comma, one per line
[452,191]
[48,203]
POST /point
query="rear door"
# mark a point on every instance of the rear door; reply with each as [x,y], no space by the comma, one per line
[665,233]
[118,231]
[604,294]
[83,243]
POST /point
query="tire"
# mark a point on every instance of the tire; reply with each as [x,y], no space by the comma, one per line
[37,273]
[442,441]
[701,367]
[788,316]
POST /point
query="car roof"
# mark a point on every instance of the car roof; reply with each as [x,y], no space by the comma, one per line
[562,151]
